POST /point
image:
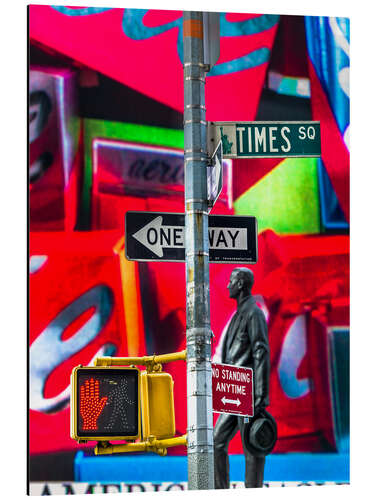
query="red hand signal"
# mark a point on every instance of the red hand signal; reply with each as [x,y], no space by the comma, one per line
[90,404]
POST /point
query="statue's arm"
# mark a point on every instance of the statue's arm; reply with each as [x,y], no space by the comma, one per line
[261,355]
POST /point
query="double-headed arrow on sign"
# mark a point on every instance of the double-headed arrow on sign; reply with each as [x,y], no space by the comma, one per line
[225,400]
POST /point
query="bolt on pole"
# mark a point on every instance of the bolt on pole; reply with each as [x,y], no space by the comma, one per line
[198,329]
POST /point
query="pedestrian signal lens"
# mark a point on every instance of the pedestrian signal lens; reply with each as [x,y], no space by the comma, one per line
[105,403]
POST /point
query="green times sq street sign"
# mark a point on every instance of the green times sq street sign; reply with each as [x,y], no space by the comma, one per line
[266,139]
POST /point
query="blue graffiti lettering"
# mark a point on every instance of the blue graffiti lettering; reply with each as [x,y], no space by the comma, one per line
[251,60]
[134,27]
[48,350]
[84,11]
[292,353]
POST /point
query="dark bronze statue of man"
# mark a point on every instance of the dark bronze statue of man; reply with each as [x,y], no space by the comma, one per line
[245,344]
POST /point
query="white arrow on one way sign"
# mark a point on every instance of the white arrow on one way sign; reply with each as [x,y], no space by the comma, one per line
[154,236]
[224,400]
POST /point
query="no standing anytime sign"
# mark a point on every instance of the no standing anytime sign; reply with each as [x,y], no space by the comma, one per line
[232,390]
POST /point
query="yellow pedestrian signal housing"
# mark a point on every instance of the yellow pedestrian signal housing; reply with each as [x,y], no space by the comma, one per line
[105,403]
[109,399]
[158,419]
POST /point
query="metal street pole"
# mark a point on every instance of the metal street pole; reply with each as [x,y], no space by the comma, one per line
[198,329]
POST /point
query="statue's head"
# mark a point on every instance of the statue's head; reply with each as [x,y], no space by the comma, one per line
[241,282]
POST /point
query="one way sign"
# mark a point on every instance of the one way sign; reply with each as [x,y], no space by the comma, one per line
[155,236]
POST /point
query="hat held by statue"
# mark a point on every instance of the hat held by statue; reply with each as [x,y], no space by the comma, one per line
[260,434]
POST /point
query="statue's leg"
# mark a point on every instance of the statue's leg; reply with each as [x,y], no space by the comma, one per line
[225,429]
[254,471]
[254,466]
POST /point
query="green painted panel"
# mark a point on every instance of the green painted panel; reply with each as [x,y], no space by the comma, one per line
[144,134]
[286,200]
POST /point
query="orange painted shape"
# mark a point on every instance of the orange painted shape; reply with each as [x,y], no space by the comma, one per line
[193,28]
